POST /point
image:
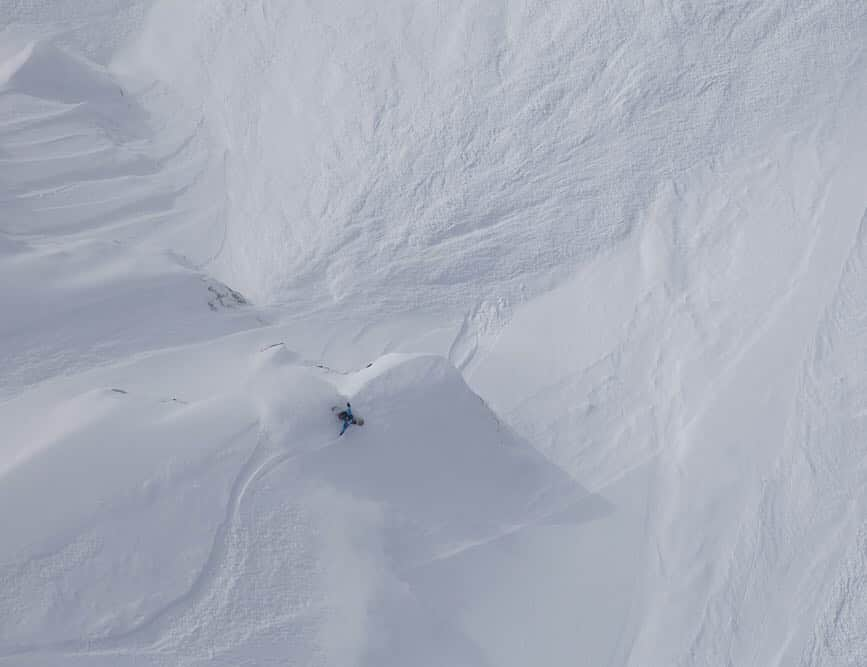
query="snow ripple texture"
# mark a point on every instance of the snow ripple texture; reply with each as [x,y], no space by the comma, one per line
[463,150]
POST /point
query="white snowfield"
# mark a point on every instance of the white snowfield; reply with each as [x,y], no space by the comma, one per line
[595,275]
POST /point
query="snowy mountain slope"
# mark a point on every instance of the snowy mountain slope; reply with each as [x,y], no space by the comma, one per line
[638,230]
[701,337]
[460,152]
[284,526]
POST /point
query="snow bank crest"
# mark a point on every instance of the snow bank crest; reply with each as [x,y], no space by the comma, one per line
[42,69]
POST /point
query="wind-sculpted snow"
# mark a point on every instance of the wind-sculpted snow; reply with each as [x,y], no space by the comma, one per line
[83,187]
[617,245]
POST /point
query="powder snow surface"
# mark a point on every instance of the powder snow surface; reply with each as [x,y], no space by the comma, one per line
[595,275]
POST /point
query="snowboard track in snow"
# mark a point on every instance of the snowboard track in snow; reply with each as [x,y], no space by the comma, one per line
[147,635]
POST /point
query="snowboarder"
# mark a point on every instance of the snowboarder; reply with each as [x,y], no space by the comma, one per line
[348,418]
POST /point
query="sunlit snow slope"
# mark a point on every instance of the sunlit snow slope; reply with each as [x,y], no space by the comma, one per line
[595,274]
[234,525]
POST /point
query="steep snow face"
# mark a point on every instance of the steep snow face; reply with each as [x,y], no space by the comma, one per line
[450,153]
[293,544]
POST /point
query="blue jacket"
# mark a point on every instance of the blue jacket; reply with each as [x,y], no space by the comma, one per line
[348,418]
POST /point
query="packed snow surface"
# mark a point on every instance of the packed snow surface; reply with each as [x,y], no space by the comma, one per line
[595,275]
